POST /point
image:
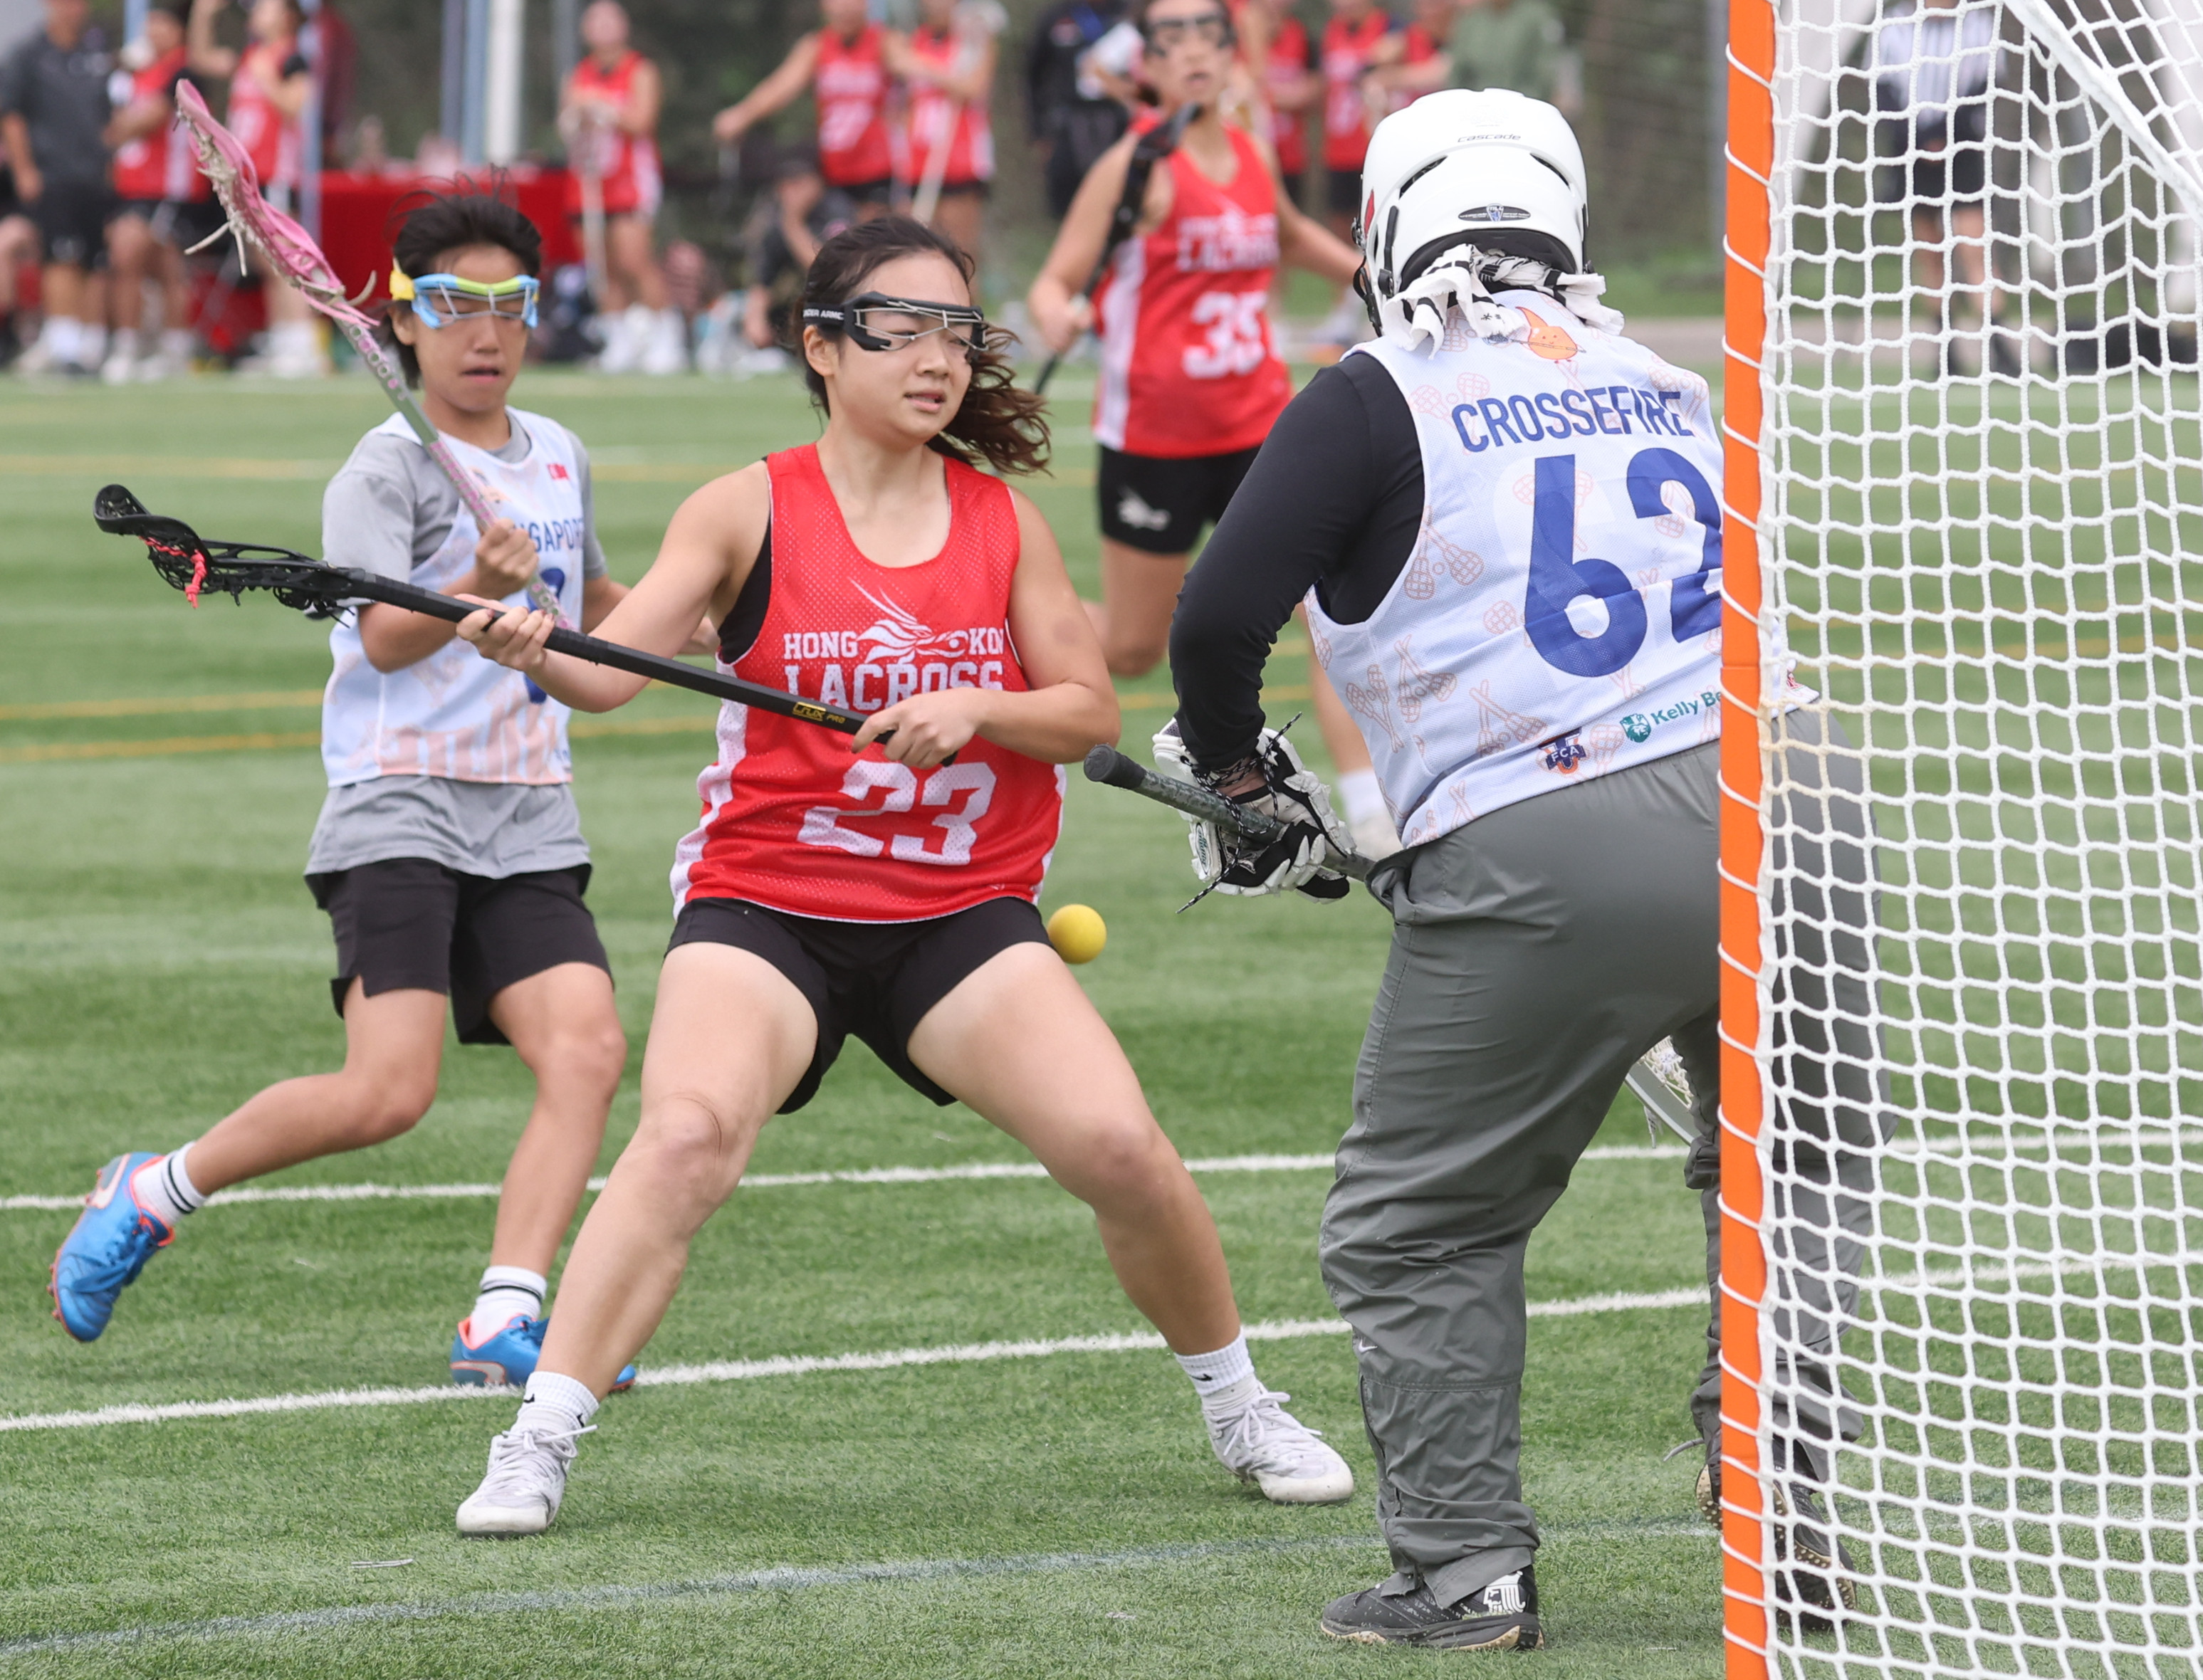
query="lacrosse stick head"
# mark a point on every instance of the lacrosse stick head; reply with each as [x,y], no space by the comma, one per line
[193,564]
[225,162]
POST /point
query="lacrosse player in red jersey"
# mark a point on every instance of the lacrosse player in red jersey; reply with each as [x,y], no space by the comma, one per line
[449,853]
[882,885]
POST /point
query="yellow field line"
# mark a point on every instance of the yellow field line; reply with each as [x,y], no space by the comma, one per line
[280,701]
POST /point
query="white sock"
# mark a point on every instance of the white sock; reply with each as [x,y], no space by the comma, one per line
[1225,1379]
[63,334]
[507,1293]
[124,342]
[163,1187]
[177,343]
[1358,792]
[555,1402]
[90,344]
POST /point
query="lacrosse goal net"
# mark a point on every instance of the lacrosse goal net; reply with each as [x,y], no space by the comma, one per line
[1963,1153]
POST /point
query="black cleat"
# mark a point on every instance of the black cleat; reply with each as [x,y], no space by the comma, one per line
[1502,1617]
[1812,1577]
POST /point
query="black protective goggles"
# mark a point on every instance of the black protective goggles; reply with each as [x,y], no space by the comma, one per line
[876,323]
[1162,34]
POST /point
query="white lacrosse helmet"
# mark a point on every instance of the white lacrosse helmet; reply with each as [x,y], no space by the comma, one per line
[1459,163]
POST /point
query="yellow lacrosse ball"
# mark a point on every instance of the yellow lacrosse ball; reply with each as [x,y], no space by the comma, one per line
[1077,933]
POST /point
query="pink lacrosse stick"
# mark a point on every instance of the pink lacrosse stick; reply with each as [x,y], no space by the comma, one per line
[290,250]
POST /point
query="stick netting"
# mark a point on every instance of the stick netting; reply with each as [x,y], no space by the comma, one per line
[1983,549]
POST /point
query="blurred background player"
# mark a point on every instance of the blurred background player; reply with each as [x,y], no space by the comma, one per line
[843,65]
[270,86]
[1406,65]
[19,247]
[449,853]
[1281,53]
[1933,64]
[1190,377]
[163,205]
[1517,45]
[609,114]
[1069,114]
[1351,38]
[786,229]
[946,64]
[53,117]
[1527,749]
[867,885]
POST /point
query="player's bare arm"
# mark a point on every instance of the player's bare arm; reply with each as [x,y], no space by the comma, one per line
[1303,241]
[776,92]
[1070,708]
[1058,311]
[208,55]
[706,556]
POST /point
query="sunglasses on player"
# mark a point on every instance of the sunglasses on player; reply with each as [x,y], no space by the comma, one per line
[876,323]
[440,299]
[1162,33]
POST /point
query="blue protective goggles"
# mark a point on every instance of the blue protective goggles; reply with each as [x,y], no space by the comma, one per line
[440,299]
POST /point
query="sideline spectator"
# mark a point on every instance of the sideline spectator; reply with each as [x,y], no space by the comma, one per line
[1518,46]
[784,233]
[1933,68]
[163,203]
[270,86]
[843,64]
[1352,38]
[53,109]
[1068,112]
[19,245]
[610,113]
[947,65]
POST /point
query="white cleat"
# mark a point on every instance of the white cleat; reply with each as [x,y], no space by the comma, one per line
[1265,1444]
[526,1479]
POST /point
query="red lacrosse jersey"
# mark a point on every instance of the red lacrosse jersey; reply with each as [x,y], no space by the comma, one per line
[790,819]
[269,138]
[1418,47]
[626,164]
[1292,54]
[850,88]
[1188,364]
[1346,49]
[159,165]
[934,115]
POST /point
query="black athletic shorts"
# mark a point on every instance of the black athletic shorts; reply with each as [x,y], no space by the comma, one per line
[874,979]
[866,194]
[1959,174]
[174,222]
[1342,191]
[72,218]
[967,189]
[410,923]
[1157,503]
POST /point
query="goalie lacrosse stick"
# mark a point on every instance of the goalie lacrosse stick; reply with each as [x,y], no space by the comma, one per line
[195,565]
[1149,149]
[1107,765]
[292,252]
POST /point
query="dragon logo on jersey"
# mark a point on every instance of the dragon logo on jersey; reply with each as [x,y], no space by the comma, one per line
[898,636]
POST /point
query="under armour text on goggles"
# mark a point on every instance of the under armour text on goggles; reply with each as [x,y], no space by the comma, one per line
[440,299]
[875,322]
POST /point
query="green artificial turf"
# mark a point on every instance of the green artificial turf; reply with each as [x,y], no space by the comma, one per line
[160,960]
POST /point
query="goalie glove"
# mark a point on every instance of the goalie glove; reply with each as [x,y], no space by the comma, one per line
[1290,793]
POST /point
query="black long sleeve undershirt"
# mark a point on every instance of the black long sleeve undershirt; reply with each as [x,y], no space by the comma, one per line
[1333,502]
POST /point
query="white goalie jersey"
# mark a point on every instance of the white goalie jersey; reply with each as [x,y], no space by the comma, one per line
[1560,616]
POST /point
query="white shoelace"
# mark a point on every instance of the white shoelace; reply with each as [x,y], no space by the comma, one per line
[529,1463]
[1264,1435]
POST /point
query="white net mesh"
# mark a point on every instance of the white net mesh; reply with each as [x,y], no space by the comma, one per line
[1984,543]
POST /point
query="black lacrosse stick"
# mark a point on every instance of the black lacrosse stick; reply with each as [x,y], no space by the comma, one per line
[194,564]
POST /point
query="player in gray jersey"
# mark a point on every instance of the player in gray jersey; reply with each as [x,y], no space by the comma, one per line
[1505,518]
[448,855]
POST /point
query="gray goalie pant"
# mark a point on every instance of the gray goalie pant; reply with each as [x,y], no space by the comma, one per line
[1538,953]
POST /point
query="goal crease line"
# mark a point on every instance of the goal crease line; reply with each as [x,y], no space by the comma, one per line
[738,1370]
[781,1579]
[776,1181]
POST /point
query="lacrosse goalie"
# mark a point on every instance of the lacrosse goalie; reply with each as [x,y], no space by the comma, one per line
[1504,518]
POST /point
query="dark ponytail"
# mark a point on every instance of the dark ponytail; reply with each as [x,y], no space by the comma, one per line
[997,423]
[431,223]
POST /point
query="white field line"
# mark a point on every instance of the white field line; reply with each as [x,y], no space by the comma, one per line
[772,1181]
[780,1580]
[741,1371]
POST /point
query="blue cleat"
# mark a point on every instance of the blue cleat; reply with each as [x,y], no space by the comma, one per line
[510,1356]
[112,1239]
